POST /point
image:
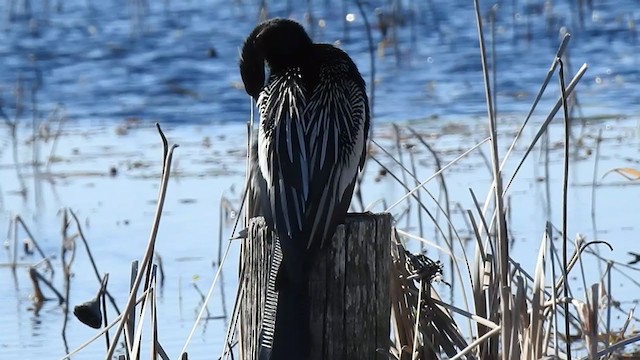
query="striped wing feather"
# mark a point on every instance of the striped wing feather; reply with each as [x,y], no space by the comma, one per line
[282,156]
[310,151]
[336,114]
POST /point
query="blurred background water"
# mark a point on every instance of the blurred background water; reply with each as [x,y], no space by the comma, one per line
[177,60]
[103,72]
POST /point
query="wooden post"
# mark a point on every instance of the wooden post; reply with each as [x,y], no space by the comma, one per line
[349,290]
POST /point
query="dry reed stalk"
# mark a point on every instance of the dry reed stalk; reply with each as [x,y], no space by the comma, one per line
[100,333]
[422,326]
[68,245]
[565,194]
[508,337]
[18,221]
[150,245]
[38,297]
[448,241]
[100,279]
[147,303]
[131,319]
[424,182]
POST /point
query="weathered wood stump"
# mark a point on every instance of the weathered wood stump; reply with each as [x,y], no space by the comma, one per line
[349,290]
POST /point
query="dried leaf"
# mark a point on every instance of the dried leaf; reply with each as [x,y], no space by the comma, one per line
[628,173]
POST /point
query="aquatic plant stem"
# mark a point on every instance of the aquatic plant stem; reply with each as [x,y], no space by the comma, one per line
[507,340]
[594,186]
[416,329]
[149,251]
[550,72]
[102,331]
[206,301]
[92,260]
[436,174]
[565,183]
[18,220]
[66,269]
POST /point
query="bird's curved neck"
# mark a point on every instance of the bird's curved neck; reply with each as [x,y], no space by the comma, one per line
[281,44]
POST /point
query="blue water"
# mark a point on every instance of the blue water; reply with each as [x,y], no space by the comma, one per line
[107,64]
[103,61]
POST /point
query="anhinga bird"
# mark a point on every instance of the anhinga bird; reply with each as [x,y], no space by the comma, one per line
[314,121]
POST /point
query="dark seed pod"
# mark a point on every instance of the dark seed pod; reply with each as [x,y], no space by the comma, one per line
[89,313]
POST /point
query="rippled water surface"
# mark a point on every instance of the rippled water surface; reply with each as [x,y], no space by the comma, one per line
[177,61]
[110,69]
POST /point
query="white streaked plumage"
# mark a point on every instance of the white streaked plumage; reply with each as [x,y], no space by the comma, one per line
[324,136]
[314,120]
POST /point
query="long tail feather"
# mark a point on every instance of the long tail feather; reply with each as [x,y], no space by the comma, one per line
[271,305]
[291,337]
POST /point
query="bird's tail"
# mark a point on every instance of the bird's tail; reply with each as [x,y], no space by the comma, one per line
[291,338]
[285,324]
[271,304]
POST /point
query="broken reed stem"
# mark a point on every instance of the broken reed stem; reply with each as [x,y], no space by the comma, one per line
[34,274]
[202,298]
[165,151]
[103,330]
[543,127]
[574,259]
[14,261]
[547,79]
[565,190]
[150,245]
[68,244]
[92,260]
[160,270]
[38,296]
[18,220]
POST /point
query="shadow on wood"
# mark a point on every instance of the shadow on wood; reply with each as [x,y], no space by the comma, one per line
[349,290]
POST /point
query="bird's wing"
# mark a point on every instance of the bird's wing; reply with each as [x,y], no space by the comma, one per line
[283,162]
[337,117]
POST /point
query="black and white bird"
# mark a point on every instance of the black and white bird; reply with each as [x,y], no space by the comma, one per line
[314,122]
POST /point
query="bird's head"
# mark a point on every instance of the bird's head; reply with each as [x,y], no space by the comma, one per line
[280,43]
